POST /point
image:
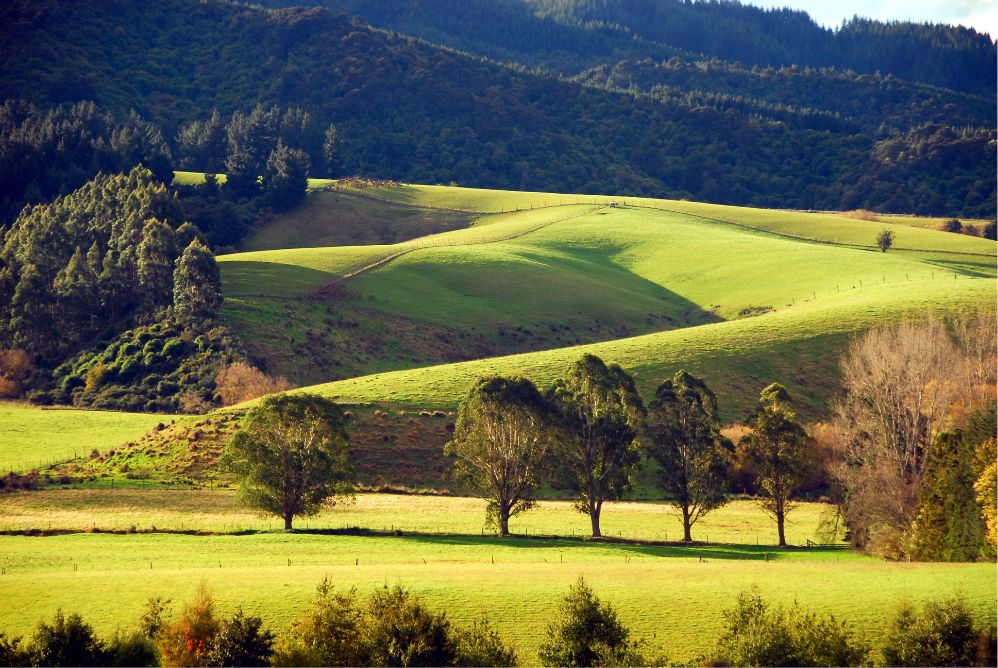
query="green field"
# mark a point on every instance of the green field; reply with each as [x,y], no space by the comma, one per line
[652,284]
[32,437]
[672,596]
[741,521]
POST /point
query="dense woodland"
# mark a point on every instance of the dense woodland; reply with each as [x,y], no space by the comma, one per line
[568,35]
[412,111]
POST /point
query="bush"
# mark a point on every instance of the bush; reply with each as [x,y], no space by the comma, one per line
[241,382]
[481,645]
[328,634]
[401,631]
[187,642]
[134,649]
[588,633]
[11,653]
[951,225]
[241,642]
[759,636]
[943,635]
[68,641]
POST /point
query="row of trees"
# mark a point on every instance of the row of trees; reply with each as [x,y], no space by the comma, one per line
[393,627]
[270,148]
[588,432]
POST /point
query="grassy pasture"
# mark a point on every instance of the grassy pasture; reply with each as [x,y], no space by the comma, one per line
[736,357]
[672,596]
[31,437]
[830,227]
[739,522]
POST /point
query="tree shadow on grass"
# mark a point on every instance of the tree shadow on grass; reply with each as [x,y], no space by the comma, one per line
[625,548]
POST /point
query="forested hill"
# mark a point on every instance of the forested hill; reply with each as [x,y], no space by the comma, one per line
[571,35]
[411,111]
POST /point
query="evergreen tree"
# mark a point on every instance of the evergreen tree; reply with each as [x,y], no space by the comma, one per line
[949,526]
[197,291]
[688,447]
[202,145]
[595,455]
[777,447]
[157,253]
[331,152]
[286,179]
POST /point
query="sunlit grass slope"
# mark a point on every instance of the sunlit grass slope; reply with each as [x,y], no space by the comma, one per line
[559,270]
[31,437]
[736,357]
[910,232]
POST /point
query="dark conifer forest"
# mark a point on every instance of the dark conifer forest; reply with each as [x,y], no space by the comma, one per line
[763,108]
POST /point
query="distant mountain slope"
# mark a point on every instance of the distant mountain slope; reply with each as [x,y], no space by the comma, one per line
[411,111]
[570,35]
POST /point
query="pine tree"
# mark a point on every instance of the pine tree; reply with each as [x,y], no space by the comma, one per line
[156,256]
[331,151]
[197,290]
[286,179]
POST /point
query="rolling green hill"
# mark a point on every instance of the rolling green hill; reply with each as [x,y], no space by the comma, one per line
[742,296]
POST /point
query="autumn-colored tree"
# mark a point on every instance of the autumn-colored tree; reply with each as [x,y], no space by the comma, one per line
[595,454]
[686,443]
[240,381]
[778,449]
[187,641]
[501,441]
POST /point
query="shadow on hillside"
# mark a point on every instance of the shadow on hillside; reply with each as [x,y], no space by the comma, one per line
[269,279]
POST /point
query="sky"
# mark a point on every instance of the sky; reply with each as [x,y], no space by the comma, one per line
[982,15]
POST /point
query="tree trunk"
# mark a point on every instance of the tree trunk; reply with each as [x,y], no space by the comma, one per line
[687,536]
[287,522]
[594,511]
[779,524]
[503,521]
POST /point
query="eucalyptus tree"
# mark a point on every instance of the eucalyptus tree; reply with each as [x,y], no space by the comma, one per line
[685,442]
[777,447]
[291,455]
[501,442]
[595,454]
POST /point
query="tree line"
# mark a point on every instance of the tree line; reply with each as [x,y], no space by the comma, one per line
[394,627]
[909,452]
[407,110]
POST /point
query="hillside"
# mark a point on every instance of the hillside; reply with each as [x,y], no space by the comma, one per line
[569,35]
[652,284]
[420,113]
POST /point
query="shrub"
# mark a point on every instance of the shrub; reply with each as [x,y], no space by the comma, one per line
[187,642]
[951,225]
[241,641]
[133,649]
[759,636]
[328,634]
[11,653]
[15,369]
[173,348]
[401,631]
[944,634]
[67,641]
[241,382]
[481,645]
[588,633]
